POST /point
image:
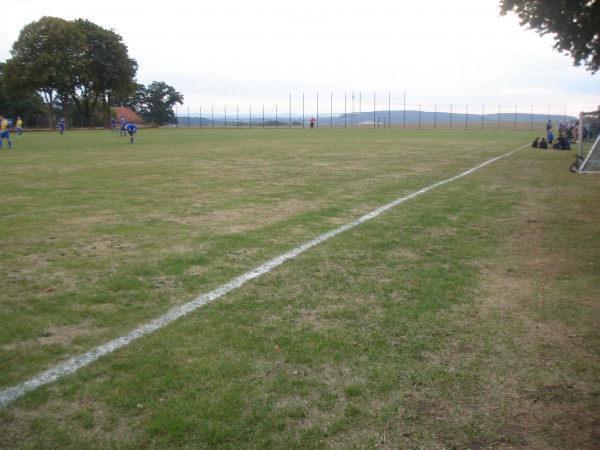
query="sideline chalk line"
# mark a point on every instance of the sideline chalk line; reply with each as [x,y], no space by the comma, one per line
[70,366]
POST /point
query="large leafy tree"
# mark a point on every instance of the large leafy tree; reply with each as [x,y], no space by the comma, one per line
[47,58]
[575,25]
[29,106]
[72,62]
[156,102]
[110,71]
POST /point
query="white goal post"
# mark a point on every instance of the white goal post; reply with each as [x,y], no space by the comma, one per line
[587,126]
[594,115]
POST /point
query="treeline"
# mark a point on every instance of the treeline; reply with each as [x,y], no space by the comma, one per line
[77,70]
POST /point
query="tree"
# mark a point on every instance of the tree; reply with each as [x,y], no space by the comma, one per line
[110,71]
[29,106]
[135,100]
[575,25]
[77,61]
[158,103]
[47,58]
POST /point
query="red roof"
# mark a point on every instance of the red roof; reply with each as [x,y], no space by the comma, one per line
[128,114]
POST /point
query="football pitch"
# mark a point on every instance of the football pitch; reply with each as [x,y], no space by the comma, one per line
[374,289]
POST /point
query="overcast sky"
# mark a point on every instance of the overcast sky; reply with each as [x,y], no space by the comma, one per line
[433,53]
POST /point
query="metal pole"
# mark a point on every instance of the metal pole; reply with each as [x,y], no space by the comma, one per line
[359,108]
[531,122]
[482,115]
[498,116]
[374,108]
[405,110]
[345,109]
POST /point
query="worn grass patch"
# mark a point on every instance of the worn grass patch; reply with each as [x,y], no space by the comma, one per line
[463,318]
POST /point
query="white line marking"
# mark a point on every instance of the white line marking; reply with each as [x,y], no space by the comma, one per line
[9,395]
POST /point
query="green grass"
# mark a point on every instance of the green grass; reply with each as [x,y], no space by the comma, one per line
[462,318]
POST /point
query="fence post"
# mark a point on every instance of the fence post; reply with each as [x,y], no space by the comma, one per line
[317,110]
[374,108]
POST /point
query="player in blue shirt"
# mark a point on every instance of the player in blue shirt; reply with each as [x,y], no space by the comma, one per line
[61,125]
[122,129]
[131,129]
[113,125]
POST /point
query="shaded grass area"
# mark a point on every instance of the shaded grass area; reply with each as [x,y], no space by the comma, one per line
[463,318]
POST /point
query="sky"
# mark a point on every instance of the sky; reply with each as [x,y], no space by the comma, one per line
[319,53]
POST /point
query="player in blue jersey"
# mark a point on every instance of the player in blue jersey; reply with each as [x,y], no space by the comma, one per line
[4,133]
[131,129]
[113,125]
[122,131]
[61,125]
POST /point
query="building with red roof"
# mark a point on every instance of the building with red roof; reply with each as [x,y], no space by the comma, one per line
[128,114]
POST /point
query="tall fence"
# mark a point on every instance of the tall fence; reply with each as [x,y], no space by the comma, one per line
[350,110]
[374,110]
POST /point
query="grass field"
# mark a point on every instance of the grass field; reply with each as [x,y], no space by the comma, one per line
[466,317]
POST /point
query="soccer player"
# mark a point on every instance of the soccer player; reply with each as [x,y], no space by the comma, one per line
[122,130]
[4,133]
[61,125]
[19,127]
[113,125]
[131,129]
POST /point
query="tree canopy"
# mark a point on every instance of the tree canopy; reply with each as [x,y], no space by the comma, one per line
[160,98]
[29,106]
[575,25]
[73,60]
[78,64]
[154,103]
